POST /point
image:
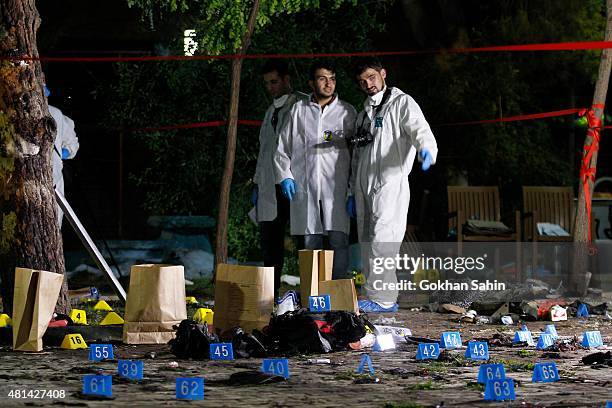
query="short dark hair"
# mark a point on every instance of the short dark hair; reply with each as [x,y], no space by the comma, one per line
[280,66]
[363,63]
[321,64]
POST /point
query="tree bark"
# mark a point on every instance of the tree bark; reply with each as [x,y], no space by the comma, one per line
[29,234]
[582,226]
[232,130]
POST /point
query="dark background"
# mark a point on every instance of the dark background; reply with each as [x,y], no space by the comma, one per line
[98,185]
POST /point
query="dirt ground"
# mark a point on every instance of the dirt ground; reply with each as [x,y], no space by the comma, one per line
[402,381]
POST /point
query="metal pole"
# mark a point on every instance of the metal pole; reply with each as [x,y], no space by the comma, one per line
[89,244]
[120,204]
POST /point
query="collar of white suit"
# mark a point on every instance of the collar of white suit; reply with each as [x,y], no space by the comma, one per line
[375,100]
[280,101]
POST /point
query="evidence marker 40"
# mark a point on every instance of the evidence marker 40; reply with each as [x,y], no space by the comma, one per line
[486,285]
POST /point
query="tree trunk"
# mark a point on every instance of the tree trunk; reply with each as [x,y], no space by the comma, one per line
[230,153]
[29,234]
[582,226]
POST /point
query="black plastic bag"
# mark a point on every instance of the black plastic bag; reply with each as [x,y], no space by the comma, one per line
[248,345]
[598,358]
[296,332]
[192,340]
[344,328]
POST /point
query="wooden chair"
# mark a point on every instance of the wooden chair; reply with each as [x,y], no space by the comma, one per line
[480,203]
[553,205]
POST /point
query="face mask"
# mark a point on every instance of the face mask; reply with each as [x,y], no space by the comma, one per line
[363,136]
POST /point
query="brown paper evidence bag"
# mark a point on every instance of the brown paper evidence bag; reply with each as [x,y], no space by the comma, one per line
[315,279]
[155,303]
[34,299]
[244,295]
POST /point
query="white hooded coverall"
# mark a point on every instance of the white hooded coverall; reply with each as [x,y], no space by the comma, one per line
[379,181]
[265,177]
[312,150]
[65,138]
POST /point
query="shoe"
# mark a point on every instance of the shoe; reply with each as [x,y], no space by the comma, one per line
[288,303]
[369,306]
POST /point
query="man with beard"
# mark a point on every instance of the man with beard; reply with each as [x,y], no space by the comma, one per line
[390,131]
[272,208]
[312,166]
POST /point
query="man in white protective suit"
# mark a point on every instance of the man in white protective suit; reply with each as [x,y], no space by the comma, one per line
[272,206]
[390,132]
[312,166]
[65,147]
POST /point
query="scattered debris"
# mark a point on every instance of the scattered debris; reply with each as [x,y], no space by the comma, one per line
[482,320]
[367,380]
[598,358]
[399,333]
[319,361]
[400,372]
[537,288]
[253,377]
[427,385]
[366,341]
[386,321]
[449,308]
[558,313]
[304,332]
[592,308]
[469,316]
[457,360]
[543,309]
[417,340]
[493,309]
[594,293]
[290,280]
[60,320]
[570,344]
[384,342]
[248,345]
[500,339]
[500,313]
[551,355]
[530,309]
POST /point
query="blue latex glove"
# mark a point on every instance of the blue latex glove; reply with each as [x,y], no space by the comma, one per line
[254,195]
[65,153]
[427,158]
[351,209]
[288,188]
[46,91]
